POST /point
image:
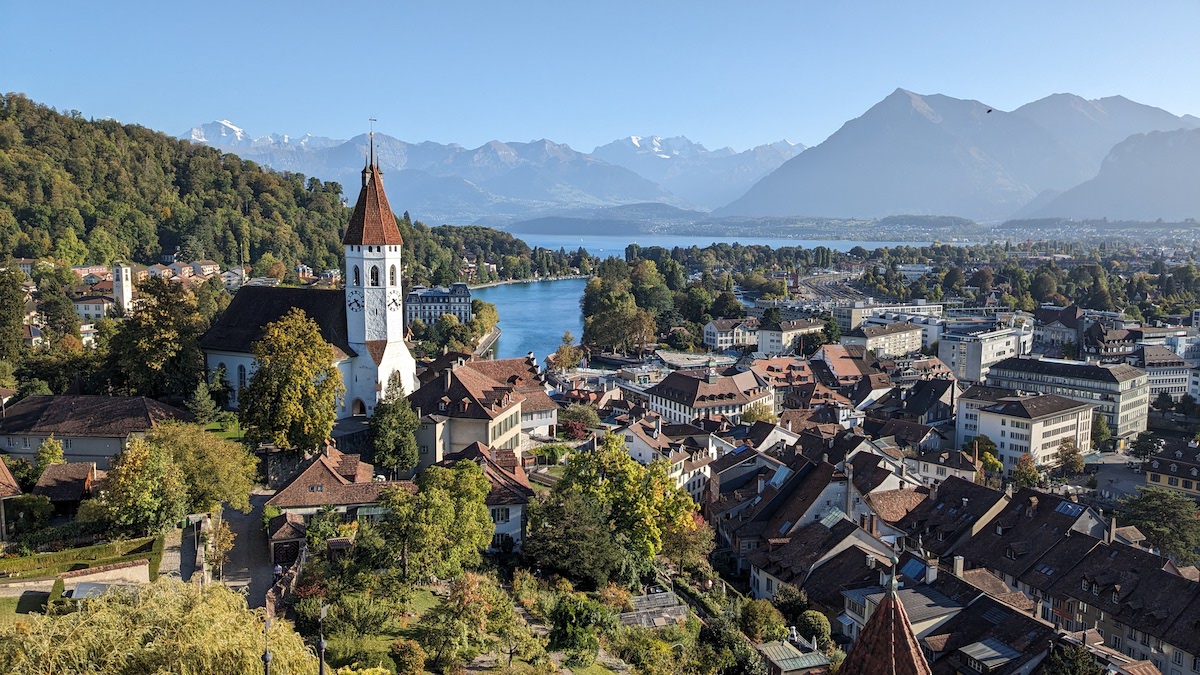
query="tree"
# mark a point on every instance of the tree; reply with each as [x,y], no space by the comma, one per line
[570,533]
[145,629]
[145,491]
[1071,457]
[688,546]
[220,543]
[393,430]
[758,412]
[1144,445]
[1100,430]
[49,452]
[814,625]
[201,403]
[761,622]
[1186,405]
[568,355]
[727,306]
[32,387]
[12,311]
[730,649]
[583,414]
[1163,402]
[1170,521]
[1071,659]
[791,601]
[771,316]
[831,332]
[445,526]
[1026,473]
[28,513]
[214,470]
[156,351]
[291,400]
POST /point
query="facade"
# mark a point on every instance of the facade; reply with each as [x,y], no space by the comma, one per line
[1167,372]
[785,337]
[895,339]
[849,317]
[364,322]
[123,286]
[1057,326]
[90,428]
[1175,468]
[931,326]
[539,413]
[682,396]
[509,496]
[461,406]
[338,480]
[93,307]
[1120,392]
[1036,425]
[969,355]
[428,304]
[967,411]
[722,334]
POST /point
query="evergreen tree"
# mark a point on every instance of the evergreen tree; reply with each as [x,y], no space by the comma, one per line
[201,403]
[49,452]
[1071,659]
[1100,430]
[393,428]
[12,311]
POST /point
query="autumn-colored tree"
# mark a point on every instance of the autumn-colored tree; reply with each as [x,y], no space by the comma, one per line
[220,543]
[291,400]
[761,622]
[1026,474]
[49,452]
[145,490]
[1071,457]
[758,412]
[215,470]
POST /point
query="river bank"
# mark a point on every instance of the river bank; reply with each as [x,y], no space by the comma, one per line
[507,282]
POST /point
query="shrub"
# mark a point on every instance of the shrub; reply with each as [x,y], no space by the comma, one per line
[408,656]
[761,622]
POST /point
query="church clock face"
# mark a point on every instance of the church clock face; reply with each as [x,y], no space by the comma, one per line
[354,301]
[394,300]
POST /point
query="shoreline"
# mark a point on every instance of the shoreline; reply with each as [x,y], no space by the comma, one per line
[507,282]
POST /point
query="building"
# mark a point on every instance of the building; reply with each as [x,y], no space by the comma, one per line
[1057,326]
[896,339]
[1176,467]
[1166,371]
[66,485]
[1036,425]
[509,496]
[93,307]
[931,326]
[462,406]
[429,304]
[785,337]
[363,322]
[886,643]
[722,334]
[682,396]
[849,317]
[1120,392]
[539,413]
[90,428]
[969,355]
[122,287]
[338,480]
[205,268]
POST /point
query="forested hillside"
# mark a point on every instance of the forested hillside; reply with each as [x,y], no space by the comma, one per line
[95,191]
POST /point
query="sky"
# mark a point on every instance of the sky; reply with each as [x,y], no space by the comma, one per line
[582,73]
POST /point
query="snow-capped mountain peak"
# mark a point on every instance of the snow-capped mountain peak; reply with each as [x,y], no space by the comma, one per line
[220,132]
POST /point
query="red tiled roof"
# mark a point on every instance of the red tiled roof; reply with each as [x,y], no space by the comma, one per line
[886,645]
[8,485]
[508,486]
[332,480]
[372,222]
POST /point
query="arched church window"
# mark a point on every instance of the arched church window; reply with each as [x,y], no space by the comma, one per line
[357,277]
[374,275]
[241,377]
[392,276]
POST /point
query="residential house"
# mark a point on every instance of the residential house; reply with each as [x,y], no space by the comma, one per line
[955,511]
[429,304]
[929,402]
[539,413]
[509,496]
[90,428]
[839,365]
[1106,344]
[934,466]
[233,278]
[9,488]
[988,636]
[782,657]
[461,406]
[1166,371]
[970,354]
[160,271]
[66,485]
[205,268]
[1037,426]
[93,307]
[1176,467]
[181,269]
[887,641]
[786,337]
[967,410]
[338,480]
[792,559]
[784,374]
[31,336]
[849,317]
[723,334]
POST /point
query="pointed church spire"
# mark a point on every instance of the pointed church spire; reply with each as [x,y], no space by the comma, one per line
[372,223]
[886,645]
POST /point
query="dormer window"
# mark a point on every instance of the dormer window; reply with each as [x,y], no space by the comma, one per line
[1116,597]
[1085,584]
[1095,589]
[1154,464]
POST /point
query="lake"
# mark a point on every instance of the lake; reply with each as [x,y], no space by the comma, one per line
[610,245]
[534,315]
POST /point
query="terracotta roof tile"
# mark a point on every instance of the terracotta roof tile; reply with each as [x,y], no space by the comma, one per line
[886,645]
[372,222]
[66,482]
[8,485]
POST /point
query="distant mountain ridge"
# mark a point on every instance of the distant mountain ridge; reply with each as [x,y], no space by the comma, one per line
[940,155]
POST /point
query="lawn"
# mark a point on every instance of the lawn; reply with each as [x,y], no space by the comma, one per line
[233,433]
[30,601]
[594,669]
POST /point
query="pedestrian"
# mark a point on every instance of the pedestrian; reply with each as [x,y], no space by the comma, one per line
[278,571]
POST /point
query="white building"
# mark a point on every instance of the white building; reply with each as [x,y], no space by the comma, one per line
[93,307]
[1167,371]
[970,355]
[849,317]
[429,304]
[785,337]
[123,286]
[1036,425]
[364,323]
[896,339]
[722,334]
[683,396]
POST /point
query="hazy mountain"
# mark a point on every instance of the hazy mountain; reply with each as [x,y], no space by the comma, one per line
[1092,128]
[703,177]
[919,155]
[1145,177]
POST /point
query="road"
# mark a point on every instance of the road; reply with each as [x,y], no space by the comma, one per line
[249,562]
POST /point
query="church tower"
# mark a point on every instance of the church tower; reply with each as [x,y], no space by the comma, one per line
[374,296]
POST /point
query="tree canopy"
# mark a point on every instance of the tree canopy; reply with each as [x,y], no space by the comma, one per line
[1170,521]
[291,400]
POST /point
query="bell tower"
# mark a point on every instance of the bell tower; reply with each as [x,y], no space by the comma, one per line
[374,293]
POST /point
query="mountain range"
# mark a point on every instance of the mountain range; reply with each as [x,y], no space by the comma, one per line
[908,154]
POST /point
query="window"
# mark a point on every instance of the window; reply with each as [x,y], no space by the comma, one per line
[357,276]
[500,514]
[1177,659]
[374,275]
[1116,642]
[392,276]
[66,443]
[241,376]
[1085,584]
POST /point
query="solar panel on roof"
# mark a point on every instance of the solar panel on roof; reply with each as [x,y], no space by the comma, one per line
[1069,509]
[913,569]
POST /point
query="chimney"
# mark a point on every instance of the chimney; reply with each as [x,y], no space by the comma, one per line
[849,489]
[870,561]
[446,375]
[761,483]
[530,357]
[933,490]
[1112,530]
[873,523]
[1037,608]
[789,425]
[958,566]
[931,570]
[657,427]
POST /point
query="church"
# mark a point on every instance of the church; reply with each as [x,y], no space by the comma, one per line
[364,322]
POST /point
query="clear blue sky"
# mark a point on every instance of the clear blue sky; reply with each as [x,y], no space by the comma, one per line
[582,73]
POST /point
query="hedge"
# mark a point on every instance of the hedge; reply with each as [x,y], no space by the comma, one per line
[156,555]
[88,556]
